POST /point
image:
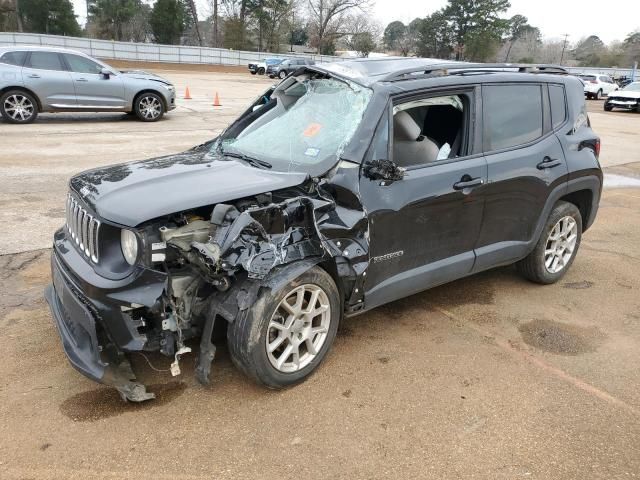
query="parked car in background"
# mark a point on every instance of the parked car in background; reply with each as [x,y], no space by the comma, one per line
[345,187]
[596,86]
[627,98]
[260,67]
[288,66]
[42,79]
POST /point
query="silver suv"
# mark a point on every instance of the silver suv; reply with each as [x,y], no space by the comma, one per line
[37,79]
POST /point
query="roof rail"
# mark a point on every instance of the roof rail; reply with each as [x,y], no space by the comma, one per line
[461,68]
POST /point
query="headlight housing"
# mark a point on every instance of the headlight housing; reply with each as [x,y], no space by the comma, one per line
[129,245]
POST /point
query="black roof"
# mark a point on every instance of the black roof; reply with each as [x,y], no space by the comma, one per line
[393,69]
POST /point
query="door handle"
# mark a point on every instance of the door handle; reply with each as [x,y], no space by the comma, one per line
[548,162]
[81,80]
[467,182]
[33,75]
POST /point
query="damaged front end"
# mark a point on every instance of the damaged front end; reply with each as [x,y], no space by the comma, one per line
[239,224]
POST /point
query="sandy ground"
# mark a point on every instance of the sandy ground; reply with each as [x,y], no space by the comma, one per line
[489,377]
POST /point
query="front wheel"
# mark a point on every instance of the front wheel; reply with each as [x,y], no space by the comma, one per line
[557,247]
[287,333]
[17,106]
[607,108]
[282,74]
[149,107]
[261,71]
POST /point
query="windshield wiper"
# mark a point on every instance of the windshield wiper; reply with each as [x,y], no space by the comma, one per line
[256,162]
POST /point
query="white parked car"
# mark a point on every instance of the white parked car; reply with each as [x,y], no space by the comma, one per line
[627,98]
[596,86]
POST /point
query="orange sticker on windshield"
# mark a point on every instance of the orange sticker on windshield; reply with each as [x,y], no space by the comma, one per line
[312,130]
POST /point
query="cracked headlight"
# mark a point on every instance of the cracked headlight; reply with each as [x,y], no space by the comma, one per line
[129,245]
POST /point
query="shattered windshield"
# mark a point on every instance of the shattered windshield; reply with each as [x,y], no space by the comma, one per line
[307,129]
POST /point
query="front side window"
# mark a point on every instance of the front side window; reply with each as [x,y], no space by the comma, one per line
[14,58]
[512,115]
[305,130]
[80,64]
[45,61]
[429,129]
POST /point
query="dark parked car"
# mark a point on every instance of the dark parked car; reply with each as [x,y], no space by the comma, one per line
[288,66]
[344,188]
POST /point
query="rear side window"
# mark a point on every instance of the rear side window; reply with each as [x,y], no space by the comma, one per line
[512,115]
[45,61]
[80,64]
[558,105]
[14,58]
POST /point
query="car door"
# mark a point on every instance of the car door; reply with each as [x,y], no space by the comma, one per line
[92,88]
[44,73]
[525,164]
[423,228]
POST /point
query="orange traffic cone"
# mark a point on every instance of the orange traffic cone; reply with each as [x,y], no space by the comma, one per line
[216,101]
[187,95]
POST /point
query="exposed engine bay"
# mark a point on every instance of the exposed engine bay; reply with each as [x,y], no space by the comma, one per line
[217,263]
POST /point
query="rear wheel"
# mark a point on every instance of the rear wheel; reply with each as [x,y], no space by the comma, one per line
[282,74]
[253,73]
[599,95]
[288,332]
[149,107]
[261,71]
[557,247]
[17,106]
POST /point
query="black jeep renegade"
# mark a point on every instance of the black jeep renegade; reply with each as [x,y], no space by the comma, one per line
[344,187]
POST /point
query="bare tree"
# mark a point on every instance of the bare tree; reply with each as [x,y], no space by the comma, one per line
[328,19]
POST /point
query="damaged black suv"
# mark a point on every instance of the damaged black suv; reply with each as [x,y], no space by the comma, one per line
[344,187]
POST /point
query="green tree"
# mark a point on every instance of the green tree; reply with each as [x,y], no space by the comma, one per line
[589,51]
[55,17]
[631,46]
[168,21]
[363,43]
[518,25]
[477,26]
[110,16]
[434,38]
[394,35]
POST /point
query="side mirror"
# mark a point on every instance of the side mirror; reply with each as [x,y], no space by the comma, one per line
[105,72]
[383,170]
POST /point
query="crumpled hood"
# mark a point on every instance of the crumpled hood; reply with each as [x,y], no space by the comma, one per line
[132,193]
[632,94]
[142,75]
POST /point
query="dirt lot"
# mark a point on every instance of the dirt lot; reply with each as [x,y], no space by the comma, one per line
[488,377]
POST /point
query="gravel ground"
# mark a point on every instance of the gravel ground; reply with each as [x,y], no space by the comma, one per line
[488,377]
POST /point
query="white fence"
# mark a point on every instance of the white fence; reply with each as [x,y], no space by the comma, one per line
[150,52]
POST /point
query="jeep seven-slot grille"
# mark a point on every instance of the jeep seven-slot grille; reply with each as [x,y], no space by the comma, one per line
[83,228]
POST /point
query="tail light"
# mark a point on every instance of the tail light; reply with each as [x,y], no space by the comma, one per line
[593,81]
[598,148]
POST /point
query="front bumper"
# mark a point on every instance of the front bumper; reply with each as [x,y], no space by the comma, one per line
[94,330]
[627,104]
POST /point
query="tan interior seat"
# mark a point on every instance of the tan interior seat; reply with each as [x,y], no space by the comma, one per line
[409,147]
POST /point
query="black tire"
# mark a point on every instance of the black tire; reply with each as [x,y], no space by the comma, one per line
[607,108]
[253,73]
[599,95]
[261,71]
[28,111]
[148,107]
[282,74]
[247,336]
[533,267]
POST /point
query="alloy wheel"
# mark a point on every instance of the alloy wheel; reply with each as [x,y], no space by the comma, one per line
[561,244]
[19,107]
[150,107]
[298,328]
